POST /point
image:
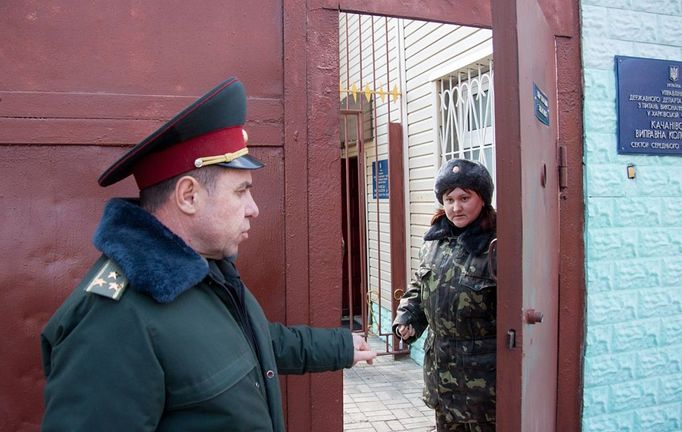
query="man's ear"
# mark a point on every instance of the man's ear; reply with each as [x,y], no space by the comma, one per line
[186,194]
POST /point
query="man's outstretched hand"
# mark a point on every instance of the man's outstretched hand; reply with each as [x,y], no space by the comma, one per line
[362,350]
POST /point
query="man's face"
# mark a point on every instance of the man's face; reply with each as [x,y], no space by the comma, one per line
[462,206]
[224,214]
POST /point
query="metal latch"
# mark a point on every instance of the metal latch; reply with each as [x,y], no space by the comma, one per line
[511,339]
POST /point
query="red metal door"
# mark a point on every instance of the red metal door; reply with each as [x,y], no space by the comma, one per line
[528,227]
[79,81]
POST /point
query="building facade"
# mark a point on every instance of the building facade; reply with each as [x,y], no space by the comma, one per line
[633,234]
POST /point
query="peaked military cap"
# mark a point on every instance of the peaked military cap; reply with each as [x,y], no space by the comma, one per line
[208,132]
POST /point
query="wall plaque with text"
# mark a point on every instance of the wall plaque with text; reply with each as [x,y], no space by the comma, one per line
[380,179]
[649,106]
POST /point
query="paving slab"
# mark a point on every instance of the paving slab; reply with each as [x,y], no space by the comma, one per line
[385,396]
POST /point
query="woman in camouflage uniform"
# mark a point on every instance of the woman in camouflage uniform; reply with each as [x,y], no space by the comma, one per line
[454,295]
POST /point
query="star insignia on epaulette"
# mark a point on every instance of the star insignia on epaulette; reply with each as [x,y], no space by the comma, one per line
[109,281]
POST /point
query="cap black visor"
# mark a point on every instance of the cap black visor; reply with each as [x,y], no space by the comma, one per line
[245,162]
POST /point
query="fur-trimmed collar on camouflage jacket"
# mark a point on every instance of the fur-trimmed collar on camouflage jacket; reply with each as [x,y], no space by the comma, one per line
[155,261]
[474,239]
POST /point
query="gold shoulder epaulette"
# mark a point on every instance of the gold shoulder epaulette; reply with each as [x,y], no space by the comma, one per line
[109,281]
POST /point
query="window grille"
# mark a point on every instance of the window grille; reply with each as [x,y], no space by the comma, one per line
[466,115]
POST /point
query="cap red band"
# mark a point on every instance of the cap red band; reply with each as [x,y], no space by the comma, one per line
[179,158]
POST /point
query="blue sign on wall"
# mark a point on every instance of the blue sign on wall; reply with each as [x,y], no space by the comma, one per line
[541,104]
[382,181]
[649,106]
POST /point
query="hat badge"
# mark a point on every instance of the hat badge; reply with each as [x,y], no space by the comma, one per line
[455,169]
[227,157]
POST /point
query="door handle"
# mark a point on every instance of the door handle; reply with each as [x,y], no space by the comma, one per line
[533,316]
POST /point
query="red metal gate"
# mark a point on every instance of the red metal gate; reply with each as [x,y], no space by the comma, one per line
[528,268]
[64,116]
[82,81]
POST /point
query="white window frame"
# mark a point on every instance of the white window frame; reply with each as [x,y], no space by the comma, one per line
[467,118]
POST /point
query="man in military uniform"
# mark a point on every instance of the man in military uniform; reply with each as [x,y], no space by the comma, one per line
[161,334]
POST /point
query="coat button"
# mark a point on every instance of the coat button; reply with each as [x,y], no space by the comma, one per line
[257,385]
[472,269]
[270,374]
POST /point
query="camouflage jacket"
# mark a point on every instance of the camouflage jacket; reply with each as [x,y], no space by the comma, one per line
[454,294]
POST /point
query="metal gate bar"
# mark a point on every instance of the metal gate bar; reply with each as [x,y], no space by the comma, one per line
[345,114]
[392,345]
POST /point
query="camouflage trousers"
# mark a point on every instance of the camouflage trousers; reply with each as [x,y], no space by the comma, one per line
[444,423]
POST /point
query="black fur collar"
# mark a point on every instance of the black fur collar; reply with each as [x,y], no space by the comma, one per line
[155,261]
[474,239]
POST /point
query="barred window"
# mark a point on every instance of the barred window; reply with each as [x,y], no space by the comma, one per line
[466,114]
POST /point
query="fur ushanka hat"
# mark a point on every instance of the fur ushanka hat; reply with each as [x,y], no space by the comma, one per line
[465,174]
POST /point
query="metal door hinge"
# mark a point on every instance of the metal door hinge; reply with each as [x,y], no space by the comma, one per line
[563,168]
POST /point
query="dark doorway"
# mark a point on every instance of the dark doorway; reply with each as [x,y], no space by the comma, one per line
[352,276]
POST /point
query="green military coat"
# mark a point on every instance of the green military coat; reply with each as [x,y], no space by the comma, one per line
[454,294]
[177,343]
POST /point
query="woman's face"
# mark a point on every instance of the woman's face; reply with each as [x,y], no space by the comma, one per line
[462,206]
